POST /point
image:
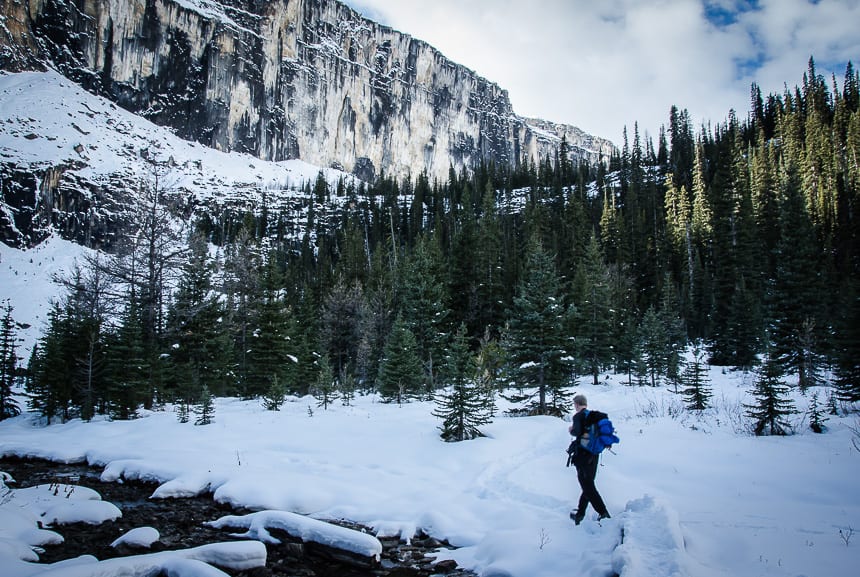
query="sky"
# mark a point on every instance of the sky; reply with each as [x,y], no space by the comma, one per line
[602,65]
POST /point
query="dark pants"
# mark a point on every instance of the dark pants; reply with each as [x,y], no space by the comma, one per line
[586,471]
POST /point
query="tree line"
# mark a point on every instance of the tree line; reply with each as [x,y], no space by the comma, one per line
[737,241]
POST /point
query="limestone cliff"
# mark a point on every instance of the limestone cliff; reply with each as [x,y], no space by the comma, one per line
[282,79]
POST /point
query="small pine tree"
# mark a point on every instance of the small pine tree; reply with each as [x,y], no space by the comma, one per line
[772,404]
[8,364]
[463,407]
[183,410]
[346,389]
[326,388]
[274,395]
[697,391]
[205,409]
[817,418]
[832,406]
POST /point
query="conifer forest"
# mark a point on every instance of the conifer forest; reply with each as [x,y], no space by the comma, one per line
[734,244]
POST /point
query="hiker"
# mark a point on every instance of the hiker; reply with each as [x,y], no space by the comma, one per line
[585,463]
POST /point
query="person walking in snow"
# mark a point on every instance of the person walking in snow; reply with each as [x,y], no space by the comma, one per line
[585,463]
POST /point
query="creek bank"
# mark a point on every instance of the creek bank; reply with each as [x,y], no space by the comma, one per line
[182,524]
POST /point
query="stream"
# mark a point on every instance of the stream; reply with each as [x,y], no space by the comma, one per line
[180,523]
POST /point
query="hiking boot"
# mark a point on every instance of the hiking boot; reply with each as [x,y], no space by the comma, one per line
[577,518]
[603,516]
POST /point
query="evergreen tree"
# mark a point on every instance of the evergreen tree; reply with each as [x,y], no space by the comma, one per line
[462,407]
[745,322]
[88,308]
[423,296]
[593,313]
[847,344]
[69,378]
[8,363]
[243,264]
[48,391]
[772,403]
[205,409]
[676,336]
[267,353]
[326,387]
[488,256]
[127,365]
[400,373]
[275,395]
[817,417]
[341,322]
[654,345]
[793,296]
[697,390]
[535,338]
[200,350]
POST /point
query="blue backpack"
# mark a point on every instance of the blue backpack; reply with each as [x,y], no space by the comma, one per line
[601,432]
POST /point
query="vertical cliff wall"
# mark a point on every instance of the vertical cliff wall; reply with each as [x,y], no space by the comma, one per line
[281,79]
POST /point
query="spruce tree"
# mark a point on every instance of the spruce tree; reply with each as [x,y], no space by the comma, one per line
[199,344]
[48,390]
[488,256]
[267,353]
[400,372]
[847,347]
[653,345]
[772,403]
[535,339]
[127,365]
[274,395]
[423,296]
[793,292]
[243,266]
[697,389]
[462,406]
[205,409]
[341,322]
[676,336]
[8,363]
[325,390]
[817,418]
[593,312]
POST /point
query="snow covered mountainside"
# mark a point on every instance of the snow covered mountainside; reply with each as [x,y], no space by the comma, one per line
[79,165]
[307,79]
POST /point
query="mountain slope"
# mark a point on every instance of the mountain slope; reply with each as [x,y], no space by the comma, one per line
[309,79]
[77,163]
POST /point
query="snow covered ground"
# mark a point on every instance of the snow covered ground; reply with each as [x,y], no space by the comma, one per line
[689,495]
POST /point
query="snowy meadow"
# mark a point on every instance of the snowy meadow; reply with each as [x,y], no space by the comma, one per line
[690,494]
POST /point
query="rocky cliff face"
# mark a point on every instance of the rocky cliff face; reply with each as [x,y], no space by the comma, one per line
[282,79]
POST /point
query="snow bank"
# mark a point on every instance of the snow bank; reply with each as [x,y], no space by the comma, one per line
[257,526]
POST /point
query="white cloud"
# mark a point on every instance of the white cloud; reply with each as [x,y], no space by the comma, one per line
[601,65]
